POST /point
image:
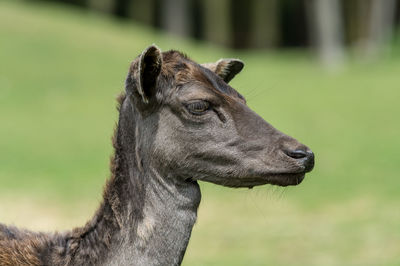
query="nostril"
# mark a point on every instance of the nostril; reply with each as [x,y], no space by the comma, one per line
[303,156]
[297,154]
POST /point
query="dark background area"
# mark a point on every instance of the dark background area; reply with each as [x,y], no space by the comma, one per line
[252,23]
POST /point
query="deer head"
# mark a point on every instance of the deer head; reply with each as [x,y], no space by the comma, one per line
[191,125]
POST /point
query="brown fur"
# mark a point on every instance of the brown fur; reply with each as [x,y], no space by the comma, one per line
[179,67]
[20,252]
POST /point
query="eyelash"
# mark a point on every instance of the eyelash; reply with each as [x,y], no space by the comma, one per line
[198,107]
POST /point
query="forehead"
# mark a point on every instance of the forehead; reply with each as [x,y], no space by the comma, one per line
[185,71]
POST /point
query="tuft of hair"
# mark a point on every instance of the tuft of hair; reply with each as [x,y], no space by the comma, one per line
[120,100]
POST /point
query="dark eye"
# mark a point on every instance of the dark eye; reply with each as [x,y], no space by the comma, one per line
[198,107]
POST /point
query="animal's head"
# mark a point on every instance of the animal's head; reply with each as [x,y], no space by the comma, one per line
[191,125]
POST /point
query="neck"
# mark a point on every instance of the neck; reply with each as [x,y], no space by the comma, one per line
[145,218]
[161,234]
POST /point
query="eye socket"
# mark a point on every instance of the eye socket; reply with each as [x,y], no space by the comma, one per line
[198,107]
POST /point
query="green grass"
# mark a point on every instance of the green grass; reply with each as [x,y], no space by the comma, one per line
[60,71]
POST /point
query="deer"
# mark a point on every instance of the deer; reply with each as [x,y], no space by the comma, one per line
[179,123]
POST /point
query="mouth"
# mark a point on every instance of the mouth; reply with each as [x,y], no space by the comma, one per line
[281,179]
[284,180]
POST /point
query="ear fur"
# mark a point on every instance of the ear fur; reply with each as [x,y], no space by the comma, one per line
[226,68]
[149,68]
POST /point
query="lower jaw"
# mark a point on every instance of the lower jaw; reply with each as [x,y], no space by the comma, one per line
[287,179]
[282,180]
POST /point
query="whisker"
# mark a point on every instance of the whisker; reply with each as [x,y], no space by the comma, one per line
[282,193]
[255,204]
[257,93]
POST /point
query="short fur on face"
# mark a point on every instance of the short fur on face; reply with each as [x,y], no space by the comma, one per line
[250,151]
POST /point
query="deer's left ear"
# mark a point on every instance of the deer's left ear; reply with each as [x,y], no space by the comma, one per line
[143,74]
[226,68]
[149,68]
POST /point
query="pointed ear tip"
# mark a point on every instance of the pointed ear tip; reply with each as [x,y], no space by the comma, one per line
[152,48]
[239,63]
[236,64]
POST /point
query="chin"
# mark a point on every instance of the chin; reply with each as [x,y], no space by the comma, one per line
[283,180]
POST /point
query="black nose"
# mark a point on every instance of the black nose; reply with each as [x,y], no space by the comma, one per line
[306,157]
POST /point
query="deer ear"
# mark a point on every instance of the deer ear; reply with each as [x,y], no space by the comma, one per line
[149,67]
[226,68]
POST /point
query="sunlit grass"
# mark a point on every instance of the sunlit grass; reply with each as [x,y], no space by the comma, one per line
[60,71]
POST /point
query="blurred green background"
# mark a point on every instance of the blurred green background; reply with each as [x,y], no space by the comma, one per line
[61,68]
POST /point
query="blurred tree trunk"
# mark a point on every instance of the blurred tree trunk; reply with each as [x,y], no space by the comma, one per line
[175,16]
[380,26]
[121,8]
[197,17]
[265,28]
[327,33]
[240,19]
[356,14]
[82,3]
[370,24]
[216,21]
[142,11]
[106,6]
[293,24]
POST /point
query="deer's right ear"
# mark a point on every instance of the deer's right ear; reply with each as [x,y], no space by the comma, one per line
[144,72]
[226,68]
